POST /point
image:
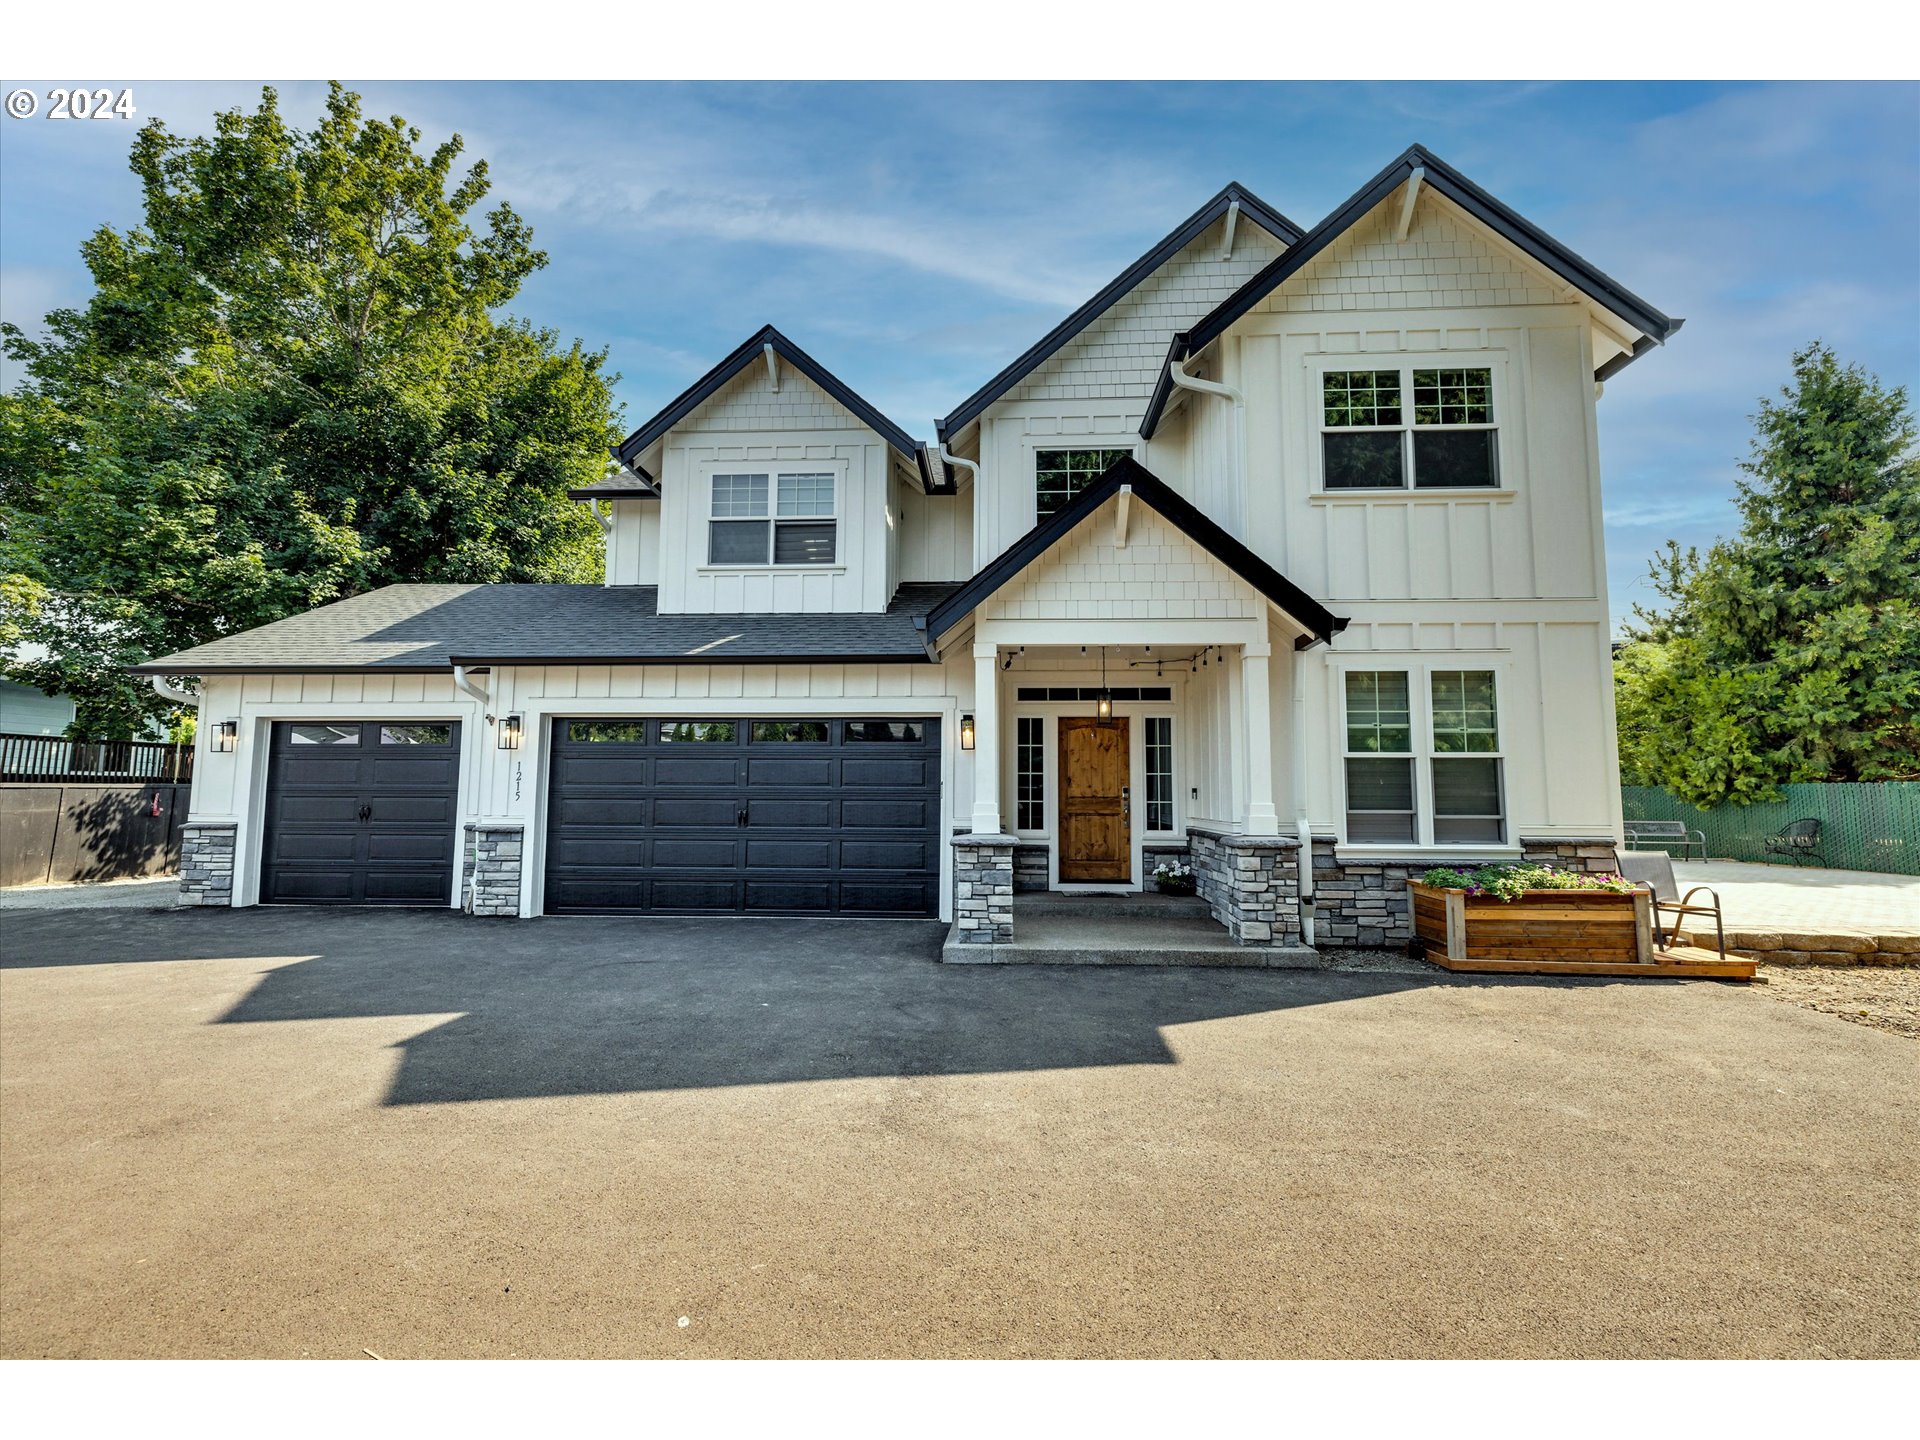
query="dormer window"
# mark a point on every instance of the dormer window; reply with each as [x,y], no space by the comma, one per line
[774,518]
[1420,427]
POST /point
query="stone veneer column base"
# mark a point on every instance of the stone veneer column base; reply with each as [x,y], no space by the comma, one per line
[1591,853]
[983,889]
[490,882]
[206,862]
[1250,884]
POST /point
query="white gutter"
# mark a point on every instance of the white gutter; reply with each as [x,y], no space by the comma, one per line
[1177,372]
[1301,827]
[168,691]
[461,682]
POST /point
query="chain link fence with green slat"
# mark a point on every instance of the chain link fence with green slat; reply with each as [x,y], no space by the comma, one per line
[1862,827]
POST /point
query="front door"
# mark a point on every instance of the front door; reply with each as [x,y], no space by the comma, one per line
[1096,831]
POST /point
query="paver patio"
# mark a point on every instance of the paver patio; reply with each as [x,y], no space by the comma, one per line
[1833,902]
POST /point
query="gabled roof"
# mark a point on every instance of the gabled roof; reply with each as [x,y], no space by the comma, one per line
[1271,220]
[1504,221]
[751,351]
[1177,511]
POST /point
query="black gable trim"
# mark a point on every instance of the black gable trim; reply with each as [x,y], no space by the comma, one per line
[1504,221]
[1276,224]
[704,388]
[1173,507]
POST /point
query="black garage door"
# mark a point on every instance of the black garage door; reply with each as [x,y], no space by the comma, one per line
[757,816]
[361,813]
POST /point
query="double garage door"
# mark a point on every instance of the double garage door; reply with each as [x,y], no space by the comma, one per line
[768,816]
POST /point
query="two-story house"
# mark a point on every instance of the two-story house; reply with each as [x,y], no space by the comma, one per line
[1283,553]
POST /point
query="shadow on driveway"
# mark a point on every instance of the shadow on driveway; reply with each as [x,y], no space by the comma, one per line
[600,1006]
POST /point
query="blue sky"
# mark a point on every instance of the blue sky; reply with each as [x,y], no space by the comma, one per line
[915,237]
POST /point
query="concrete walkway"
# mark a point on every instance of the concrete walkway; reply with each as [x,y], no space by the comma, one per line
[1830,902]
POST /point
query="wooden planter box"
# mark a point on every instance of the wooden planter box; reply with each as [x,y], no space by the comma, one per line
[1543,929]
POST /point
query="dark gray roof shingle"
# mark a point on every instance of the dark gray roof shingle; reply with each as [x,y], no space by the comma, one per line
[430,627]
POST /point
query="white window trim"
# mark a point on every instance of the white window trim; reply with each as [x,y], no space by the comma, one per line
[1420,674]
[1506,455]
[1037,443]
[773,471]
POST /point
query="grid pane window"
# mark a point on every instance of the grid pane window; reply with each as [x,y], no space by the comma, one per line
[1463,712]
[1030,768]
[1361,397]
[1453,397]
[800,531]
[806,495]
[1379,713]
[1059,475]
[1159,772]
[1372,438]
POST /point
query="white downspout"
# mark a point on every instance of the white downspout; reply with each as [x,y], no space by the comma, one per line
[168,691]
[1177,372]
[971,467]
[1301,825]
[462,683]
[606,522]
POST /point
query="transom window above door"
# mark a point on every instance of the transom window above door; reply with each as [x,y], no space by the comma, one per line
[1410,427]
[774,518]
[1059,475]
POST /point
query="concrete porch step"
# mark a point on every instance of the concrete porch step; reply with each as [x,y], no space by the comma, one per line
[1052,938]
[1146,905]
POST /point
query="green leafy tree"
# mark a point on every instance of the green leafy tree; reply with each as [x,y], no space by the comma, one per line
[292,384]
[1790,652]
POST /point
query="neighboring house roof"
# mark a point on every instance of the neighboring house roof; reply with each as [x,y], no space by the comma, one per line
[751,352]
[427,628]
[1177,511]
[1276,224]
[632,483]
[1445,180]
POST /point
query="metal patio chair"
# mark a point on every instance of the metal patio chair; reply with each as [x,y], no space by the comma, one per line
[1653,870]
[1797,841]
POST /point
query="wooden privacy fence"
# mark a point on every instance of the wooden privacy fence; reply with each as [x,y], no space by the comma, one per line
[1862,827]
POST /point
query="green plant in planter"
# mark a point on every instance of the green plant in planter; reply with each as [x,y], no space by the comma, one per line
[1175,877]
[1509,882]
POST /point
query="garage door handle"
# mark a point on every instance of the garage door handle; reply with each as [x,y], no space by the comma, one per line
[366,812]
[741,818]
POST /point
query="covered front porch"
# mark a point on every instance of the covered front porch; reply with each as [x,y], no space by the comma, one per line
[1106,748]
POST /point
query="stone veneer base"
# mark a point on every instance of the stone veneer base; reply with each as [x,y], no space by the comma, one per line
[491,879]
[206,862]
[1250,884]
[983,890]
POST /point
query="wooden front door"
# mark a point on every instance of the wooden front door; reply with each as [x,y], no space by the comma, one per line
[1096,833]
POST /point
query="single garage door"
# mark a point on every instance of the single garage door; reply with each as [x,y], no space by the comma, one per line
[361,813]
[744,816]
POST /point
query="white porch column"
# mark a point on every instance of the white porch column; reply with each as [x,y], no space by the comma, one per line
[986,739]
[1257,696]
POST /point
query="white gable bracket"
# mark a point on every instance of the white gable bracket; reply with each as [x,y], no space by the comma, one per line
[1233,220]
[1125,498]
[773,367]
[1406,205]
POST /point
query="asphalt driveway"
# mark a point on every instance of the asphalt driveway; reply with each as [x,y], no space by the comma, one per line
[286,1132]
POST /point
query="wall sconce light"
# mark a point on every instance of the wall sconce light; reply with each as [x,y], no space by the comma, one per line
[226,737]
[966,732]
[510,732]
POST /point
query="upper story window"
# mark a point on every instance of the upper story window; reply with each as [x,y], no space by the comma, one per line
[773,518]
[1409,427]
[1059,475]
